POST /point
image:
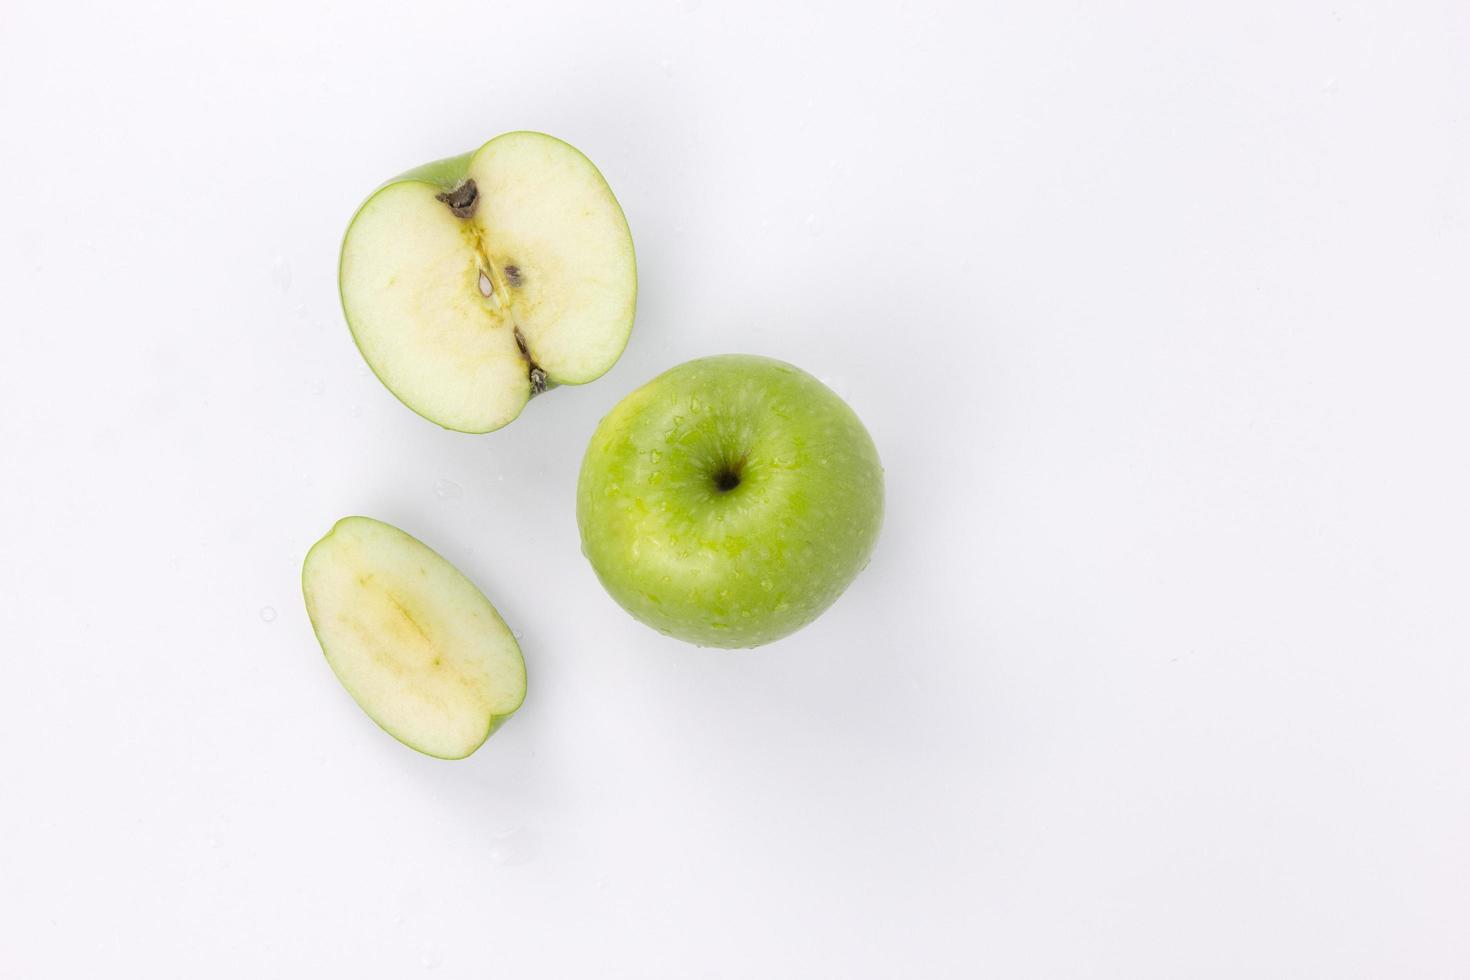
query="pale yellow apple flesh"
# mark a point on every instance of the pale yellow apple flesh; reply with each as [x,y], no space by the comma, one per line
[418,647]
[472,289]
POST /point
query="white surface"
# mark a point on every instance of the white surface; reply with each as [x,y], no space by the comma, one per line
[1156,312]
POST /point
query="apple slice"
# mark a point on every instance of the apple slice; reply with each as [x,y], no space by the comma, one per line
[418,647]
[474,283]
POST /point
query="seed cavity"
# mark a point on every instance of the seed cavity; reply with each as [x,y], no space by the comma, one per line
[486,289]
[462,199]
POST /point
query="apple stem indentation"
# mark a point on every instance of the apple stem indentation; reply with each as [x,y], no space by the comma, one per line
[536,374]
[462,199]
[728,477]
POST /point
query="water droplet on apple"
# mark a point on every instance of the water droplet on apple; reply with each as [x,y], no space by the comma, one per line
[281,273]
[516,847]
[654,455]
[267,614]
[448,490]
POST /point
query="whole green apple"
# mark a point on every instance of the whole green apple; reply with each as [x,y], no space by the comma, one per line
[730,500]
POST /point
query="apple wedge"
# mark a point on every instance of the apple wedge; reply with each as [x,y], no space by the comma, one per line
[418,647]
[474,283]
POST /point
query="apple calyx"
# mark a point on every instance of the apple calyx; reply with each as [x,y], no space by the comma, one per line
[462,199]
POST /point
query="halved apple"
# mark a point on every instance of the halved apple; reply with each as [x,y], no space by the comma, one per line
[474,283]
[418,647]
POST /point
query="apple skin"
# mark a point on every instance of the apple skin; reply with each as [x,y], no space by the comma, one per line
[729,501]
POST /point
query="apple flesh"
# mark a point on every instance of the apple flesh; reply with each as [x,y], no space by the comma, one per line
[474,283]
[729,501]
[418,647]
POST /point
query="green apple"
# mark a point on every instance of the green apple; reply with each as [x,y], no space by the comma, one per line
[729,501]
[418,647]
[474,283]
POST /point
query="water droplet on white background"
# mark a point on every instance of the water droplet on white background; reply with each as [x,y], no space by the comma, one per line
[214,840]
[813,224]
[448,490]
[267,614]
[430,960]
[281,273]
[355,412]
[516,847]
[517,633]
[317,386]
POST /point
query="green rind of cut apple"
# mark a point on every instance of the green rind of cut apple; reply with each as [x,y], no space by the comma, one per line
[474,283]
[416,644]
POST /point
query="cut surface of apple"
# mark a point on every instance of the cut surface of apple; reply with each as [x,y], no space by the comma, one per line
[473,283]
[418,647]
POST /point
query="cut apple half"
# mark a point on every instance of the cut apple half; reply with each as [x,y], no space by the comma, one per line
[418,647]
[474,283]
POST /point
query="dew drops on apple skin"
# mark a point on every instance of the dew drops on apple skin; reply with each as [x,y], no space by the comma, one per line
[448,490]
[267,614]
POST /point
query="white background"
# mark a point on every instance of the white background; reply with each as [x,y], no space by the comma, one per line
[1157,313]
